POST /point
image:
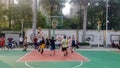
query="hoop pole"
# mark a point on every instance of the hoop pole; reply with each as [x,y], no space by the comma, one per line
[53,32]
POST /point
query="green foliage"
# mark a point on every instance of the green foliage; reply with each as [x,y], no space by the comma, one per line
[114,15]
[98,12]
[53,7]
[84,44]
[41,20]
[3,17]
[23,10]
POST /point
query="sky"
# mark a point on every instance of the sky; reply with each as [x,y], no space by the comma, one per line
[16,1]
[66,9]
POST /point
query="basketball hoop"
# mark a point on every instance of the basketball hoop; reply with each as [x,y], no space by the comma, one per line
[54,24]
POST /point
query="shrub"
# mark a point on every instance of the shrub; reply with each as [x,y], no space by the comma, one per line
[84,43]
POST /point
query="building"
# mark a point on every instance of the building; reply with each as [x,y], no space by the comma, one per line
[7,3]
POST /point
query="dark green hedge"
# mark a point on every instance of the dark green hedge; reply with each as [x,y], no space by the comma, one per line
[84,43]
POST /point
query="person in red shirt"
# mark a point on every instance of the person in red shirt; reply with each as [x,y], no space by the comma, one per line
[2,42]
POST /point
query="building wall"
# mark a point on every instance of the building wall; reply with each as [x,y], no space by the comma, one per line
[92,36]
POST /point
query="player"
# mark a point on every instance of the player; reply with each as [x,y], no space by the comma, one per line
[73,44]
[42,45]
[65,46]
[52,41]
[25,44]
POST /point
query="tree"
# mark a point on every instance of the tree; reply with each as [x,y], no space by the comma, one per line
[53,7]
[3,17]
[22,12]
[41,20]
[114,15]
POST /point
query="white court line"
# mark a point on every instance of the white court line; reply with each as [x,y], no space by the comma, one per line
[113,52]
[28,65]
[24,56]
[83,56]
[81,63]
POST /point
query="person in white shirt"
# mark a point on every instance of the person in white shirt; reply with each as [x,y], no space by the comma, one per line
[59,42]
[65,46]
[70,43]
[21,41]
[40,34]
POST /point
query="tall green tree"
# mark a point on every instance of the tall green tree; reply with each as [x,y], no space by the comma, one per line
[3,17]
[53,7]
[114,14]
[22,12]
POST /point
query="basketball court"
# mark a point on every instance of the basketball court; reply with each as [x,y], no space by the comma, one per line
[83,58]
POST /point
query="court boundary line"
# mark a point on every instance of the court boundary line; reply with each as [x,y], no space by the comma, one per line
[24,56]
[114,52]
[28,65]
[81,63]
[82,56]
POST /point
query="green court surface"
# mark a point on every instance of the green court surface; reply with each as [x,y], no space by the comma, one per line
[97,59]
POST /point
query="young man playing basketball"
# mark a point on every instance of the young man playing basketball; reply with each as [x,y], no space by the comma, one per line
[52,41]
[65,46]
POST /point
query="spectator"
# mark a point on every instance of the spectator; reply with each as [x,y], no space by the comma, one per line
[21,41]
[2,42]
[10,41]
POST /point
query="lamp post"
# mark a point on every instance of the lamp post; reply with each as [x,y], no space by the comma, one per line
[99,25]
[34,17]
[22,22]
[107,5]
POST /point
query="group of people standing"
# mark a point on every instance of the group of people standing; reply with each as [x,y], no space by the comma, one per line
[9,43]
[40,43]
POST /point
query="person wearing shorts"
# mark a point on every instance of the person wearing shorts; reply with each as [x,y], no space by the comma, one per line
[52,41]
[65,46]
[25,43]
[42,45]
[73,44]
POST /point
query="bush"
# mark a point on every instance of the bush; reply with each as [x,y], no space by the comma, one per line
[84,43]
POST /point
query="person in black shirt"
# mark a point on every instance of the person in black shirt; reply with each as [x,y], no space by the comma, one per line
[119,43]
[47,42]
[73,44]
[52,41]
[10,41]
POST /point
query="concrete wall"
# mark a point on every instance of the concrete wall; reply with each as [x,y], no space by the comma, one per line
[92,36]
[28,33]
